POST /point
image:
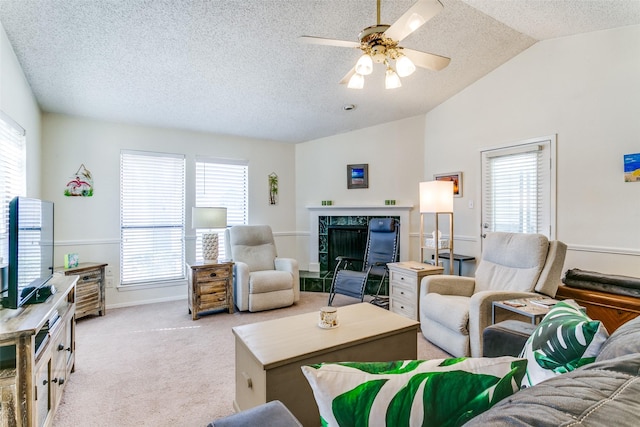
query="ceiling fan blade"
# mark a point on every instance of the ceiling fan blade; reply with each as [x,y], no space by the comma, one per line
[327,42]
[427,60]
[412,19]
[347,76]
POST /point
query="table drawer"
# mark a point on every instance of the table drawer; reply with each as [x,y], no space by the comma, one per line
[403,308]
[398,277]
[217,287]
[210,301]
[212,274]
[90,276]
[403,291]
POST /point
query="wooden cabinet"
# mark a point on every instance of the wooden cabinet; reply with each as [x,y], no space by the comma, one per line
[404,286]
[90,288]
[37,345]
[210,287]
[611,309]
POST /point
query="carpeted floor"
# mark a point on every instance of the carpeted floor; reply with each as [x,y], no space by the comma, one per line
[152,365]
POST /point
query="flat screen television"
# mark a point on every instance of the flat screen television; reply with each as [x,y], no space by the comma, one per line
[30,252]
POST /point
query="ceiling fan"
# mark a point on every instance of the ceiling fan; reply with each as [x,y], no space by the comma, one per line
[379,44]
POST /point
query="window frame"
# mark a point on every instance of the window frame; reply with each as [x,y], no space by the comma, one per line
[13,174]
[177,211]
[238,215]
[548,190]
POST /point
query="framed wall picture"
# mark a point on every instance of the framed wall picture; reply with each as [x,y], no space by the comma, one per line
[358,176]
[456,177]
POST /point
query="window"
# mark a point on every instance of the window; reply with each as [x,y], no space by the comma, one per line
[12,174]
[518,188]
[222,182]
[152,200]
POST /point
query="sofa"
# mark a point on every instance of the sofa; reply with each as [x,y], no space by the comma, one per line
[603,393]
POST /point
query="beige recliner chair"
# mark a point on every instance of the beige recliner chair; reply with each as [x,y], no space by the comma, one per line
[455,310]
[261,280]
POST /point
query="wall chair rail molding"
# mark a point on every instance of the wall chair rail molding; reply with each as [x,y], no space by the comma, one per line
[603,250]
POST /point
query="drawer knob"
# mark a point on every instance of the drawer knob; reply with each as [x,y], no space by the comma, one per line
[402,307]
[61,347]
[402,278]
[85,278]
[212,275]
[401,292]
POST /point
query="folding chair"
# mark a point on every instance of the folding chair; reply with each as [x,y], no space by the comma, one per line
[382,248]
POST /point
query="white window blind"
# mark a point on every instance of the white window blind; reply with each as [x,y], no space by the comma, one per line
[12,174]
[516,189]
[222,182]
[152,199]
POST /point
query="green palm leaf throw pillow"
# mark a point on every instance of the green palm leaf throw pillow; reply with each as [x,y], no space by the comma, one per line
[564,340]
[442,392]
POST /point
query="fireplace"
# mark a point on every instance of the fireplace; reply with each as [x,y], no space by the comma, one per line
[345,240]
[322,217]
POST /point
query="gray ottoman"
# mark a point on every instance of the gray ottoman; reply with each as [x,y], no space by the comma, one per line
[506,338]
[270,414]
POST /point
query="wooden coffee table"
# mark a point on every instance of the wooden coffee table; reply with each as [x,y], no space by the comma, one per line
[269,354]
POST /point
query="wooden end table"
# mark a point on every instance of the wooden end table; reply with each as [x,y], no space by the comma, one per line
[210,287]
[404,286]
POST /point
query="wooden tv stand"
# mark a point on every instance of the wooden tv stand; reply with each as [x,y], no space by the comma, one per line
[37,349]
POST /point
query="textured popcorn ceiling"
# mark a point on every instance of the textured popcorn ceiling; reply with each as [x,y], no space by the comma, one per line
[235,66]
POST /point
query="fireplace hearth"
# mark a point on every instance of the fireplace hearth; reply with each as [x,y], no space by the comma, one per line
[346,240]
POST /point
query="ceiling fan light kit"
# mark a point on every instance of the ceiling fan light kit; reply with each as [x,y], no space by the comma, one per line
[379,44]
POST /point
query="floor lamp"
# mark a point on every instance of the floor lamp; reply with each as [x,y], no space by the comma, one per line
[436,197]
[209,218]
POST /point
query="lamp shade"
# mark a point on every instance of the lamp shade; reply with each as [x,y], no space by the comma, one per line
[436,196]
[209,217]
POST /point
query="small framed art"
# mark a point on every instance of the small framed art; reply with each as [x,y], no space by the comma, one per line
[358,176]
[456,177]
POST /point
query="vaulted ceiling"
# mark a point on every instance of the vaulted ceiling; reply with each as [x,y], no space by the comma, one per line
[237,67]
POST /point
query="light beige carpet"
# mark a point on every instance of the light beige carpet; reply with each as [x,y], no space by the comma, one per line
[152,365]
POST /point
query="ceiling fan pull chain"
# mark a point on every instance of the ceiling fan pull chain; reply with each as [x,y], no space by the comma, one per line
[378,12]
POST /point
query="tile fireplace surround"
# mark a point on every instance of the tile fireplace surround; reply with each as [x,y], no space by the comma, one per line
[354,215]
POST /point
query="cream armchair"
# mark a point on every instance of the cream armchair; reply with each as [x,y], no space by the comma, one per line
[261,280]
[455,310]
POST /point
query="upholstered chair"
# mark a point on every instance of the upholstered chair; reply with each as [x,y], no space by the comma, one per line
[261,280]
[455,310]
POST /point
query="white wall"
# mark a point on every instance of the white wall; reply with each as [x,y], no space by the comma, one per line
[394,152]
[17,100]
[90,226]
[586,90]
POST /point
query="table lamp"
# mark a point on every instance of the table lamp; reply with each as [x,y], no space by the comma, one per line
[209,218]
[436,197]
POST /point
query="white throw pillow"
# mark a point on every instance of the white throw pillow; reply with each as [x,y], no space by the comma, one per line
[442,392]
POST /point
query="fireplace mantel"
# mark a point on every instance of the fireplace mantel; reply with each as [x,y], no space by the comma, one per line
[402,211]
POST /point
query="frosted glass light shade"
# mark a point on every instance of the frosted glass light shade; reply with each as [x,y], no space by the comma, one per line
[356,81]
[364,66]
[208,218]
[436,196]
[405,66]
[392,81]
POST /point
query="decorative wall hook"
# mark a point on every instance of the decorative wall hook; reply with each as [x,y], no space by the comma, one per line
[81,183]
[273,188]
